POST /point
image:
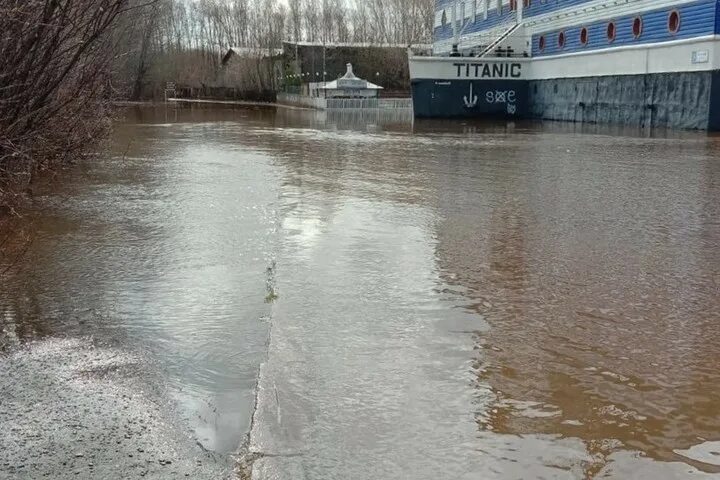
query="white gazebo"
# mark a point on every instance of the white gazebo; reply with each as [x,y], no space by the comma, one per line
[349,86]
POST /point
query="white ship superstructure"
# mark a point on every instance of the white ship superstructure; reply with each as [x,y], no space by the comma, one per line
[640,62]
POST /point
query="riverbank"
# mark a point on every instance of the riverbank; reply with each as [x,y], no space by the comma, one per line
[75,409]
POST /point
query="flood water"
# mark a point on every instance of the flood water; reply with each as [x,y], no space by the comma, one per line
[355,296]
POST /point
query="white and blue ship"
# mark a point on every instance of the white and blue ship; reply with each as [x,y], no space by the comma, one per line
[648,63]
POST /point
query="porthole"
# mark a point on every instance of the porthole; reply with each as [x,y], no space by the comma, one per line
[674,22]
[541,43]
[584,36]
[637,27]
[561,40]
[611,32]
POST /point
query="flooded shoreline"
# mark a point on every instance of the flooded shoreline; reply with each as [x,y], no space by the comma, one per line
[75,409]
[448,299]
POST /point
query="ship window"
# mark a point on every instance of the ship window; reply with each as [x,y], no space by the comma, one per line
[611,32]
[584,36]
[674,22]
[561,39]
[513,5]
[462,13]
[499,6]
[637,27]
[526,3]
[541,42]
[443,19]
[474,10]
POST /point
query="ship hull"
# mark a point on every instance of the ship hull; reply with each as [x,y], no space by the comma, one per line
[686,100]
[611,86]
[463,87]
[470,98]
[646,63]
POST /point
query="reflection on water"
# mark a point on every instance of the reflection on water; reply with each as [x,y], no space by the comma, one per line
[599,279]
[455,300]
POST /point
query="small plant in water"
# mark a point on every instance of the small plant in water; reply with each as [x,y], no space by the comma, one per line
[270,284]
[271,296]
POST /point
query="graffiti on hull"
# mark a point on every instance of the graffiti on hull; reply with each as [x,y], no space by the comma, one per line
[493,97]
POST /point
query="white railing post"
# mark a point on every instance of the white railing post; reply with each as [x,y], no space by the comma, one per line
[520,5]
[453,18]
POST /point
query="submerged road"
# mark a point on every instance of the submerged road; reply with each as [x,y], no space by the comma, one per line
[302,295]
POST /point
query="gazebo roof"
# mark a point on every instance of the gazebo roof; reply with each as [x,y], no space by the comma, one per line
[350,82]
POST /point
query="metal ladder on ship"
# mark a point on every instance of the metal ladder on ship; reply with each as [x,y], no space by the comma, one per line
[497,41]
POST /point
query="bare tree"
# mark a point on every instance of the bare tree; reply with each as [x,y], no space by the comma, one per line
[54,84]
[311,17]
[295,18]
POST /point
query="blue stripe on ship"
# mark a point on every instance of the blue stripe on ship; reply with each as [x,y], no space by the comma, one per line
[507,17]
[538,7]
[706,15]
[696,19]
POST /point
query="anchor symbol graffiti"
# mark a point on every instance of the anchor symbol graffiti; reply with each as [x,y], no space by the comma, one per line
[473,99]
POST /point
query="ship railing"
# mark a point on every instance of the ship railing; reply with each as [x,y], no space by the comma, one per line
[498,40]
[489,46]
[499,52]
[508,52]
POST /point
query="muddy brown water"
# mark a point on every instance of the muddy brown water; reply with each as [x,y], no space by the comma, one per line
[360,296]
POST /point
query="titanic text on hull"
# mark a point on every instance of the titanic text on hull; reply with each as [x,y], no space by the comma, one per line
[637,62]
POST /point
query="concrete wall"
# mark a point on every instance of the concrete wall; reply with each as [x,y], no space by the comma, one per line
[678,100]
[299,100]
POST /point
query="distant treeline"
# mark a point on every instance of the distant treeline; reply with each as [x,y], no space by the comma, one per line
[184,41]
